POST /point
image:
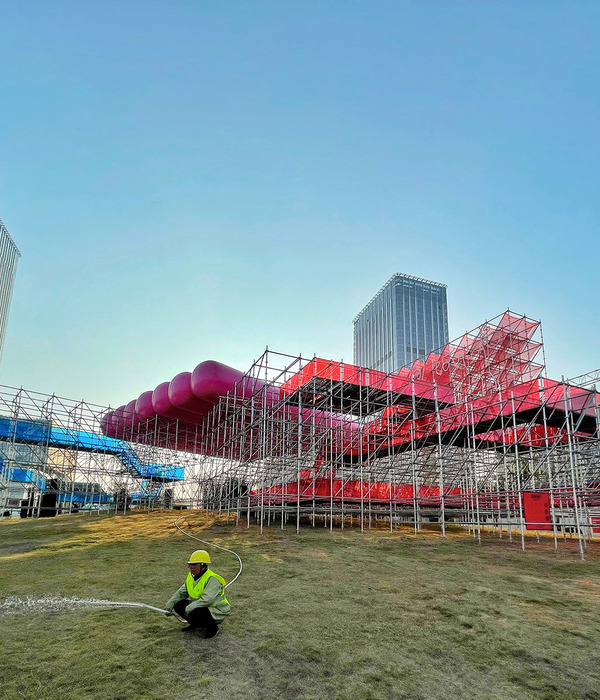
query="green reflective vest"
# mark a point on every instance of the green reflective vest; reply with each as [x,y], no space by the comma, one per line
[195,589]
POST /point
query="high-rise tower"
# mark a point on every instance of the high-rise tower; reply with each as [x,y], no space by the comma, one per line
[405,320]
[9,258]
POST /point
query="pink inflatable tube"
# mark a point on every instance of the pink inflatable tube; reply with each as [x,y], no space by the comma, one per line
[121,422]
[107,424]
[143,406]
[211,380]
[129,417]
[181,396]
[163,406]
[118,422]
[190,396]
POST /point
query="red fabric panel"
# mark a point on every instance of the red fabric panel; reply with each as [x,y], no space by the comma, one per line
[537,510]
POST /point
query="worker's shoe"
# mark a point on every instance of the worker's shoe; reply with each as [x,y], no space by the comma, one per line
[210,635]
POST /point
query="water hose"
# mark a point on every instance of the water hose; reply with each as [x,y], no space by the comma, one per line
[109,603]
[212,544]
[15,604]
[119,604]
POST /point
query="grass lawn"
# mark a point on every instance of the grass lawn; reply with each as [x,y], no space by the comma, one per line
[315,615]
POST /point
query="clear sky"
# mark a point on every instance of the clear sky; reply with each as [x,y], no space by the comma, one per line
[192,180]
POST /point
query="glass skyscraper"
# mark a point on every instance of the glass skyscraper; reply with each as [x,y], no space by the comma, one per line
[9,258]
[404,321]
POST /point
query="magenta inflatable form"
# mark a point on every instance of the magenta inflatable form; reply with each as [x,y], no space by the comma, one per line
[175,410]
[188,397]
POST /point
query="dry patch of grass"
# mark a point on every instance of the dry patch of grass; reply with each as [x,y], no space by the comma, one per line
[96,531]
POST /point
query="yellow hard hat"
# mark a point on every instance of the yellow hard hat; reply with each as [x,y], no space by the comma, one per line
[200,556]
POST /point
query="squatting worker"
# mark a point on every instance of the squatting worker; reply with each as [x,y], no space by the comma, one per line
[201,600]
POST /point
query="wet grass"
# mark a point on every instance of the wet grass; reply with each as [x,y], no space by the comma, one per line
[316,615]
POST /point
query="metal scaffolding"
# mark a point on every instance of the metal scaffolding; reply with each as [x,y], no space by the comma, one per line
[54,459]
[474,436]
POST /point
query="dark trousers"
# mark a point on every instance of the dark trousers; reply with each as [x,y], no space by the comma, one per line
[200,618]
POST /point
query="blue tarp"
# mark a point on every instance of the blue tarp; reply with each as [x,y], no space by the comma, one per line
[24,476]
[83,440]
[83,497]
[42,433]
[36,432]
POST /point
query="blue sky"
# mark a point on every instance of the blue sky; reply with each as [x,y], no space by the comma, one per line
[194,180]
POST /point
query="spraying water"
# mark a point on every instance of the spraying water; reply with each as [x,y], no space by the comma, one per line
[16,605]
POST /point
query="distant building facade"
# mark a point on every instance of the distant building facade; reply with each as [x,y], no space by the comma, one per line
[405,320]
[9,258]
